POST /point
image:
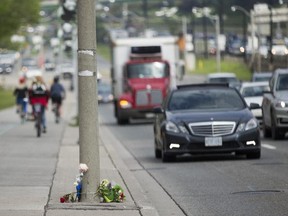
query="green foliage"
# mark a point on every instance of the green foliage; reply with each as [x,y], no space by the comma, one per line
[206,66]
[14,14]
[7,98]
[103,50]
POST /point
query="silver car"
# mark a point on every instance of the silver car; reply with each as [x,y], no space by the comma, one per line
[275,106]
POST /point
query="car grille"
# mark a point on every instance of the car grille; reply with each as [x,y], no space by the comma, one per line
[212,128]
[144,97]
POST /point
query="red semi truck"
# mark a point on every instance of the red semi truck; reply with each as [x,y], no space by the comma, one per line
[143,70]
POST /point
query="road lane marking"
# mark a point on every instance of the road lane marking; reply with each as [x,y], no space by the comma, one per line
[267,146]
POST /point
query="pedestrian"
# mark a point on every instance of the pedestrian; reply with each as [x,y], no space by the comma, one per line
[21,94]
[57,94]
[39,94]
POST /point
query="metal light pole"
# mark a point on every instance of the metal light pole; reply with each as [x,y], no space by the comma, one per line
[200,12]
[218,57]
[88,106]
[252,23]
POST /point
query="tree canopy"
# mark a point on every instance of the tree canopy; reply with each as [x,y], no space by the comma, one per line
[14,14]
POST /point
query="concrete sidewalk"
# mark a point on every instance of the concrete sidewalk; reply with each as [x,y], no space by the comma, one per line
[37,173]
[113,166]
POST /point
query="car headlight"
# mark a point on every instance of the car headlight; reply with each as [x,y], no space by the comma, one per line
[251,124]
[170,126]
[183,129]
[281,104]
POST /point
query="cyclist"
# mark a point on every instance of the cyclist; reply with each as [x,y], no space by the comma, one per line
[57,94]
[39,94]
[21,93]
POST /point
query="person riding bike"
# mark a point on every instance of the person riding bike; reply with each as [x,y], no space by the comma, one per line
[57,94]
[21,93]
[39,94]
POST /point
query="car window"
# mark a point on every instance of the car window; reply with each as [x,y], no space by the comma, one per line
[282,82]
[148,70]
[254,91]
[205,99]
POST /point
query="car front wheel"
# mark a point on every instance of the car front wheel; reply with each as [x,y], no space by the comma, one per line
[254,155]
[276,132]
[158,152]
[266,129]
[166,157]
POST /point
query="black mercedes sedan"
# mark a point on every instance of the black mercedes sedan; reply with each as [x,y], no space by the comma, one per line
[205,119]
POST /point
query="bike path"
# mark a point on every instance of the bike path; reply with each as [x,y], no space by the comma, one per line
[36,172]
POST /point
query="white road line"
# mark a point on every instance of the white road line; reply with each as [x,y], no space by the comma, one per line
[268,146]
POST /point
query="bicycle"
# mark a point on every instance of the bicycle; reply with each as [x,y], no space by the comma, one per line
[56,110]
[38,118]
[22,110]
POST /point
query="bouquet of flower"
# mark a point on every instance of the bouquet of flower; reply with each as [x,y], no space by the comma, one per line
[71,197]
[110,192]
[76,196]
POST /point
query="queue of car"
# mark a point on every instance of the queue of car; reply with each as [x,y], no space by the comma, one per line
[222,115]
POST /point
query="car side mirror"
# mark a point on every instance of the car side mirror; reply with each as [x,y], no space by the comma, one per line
[157,110]
[267,92]
[254,106]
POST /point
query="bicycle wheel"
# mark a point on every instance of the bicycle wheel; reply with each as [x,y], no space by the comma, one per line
[57,113]
[38,119]
[38,124]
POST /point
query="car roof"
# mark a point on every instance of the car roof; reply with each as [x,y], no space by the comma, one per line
[248,84]
[204,85]
[221,74]
[260,74]
[281,71]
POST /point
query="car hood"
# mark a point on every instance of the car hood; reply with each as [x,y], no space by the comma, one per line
[203,116]
[282,95]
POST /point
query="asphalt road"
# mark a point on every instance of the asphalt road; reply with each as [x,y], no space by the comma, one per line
[209,185]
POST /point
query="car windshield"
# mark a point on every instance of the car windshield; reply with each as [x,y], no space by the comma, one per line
[282,83]
[205,99]
[262,78]
[254,91]
[104,88]
[148,70]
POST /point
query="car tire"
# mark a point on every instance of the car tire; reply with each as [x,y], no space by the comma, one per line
[276,132]
[254,155]
[158,152]
[166,157]
[266,130]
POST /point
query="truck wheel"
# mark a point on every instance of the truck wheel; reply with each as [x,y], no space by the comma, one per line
[122,121]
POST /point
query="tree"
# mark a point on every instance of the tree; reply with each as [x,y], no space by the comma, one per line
[15,14]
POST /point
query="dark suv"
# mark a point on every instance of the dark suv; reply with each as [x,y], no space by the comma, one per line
[275,106]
